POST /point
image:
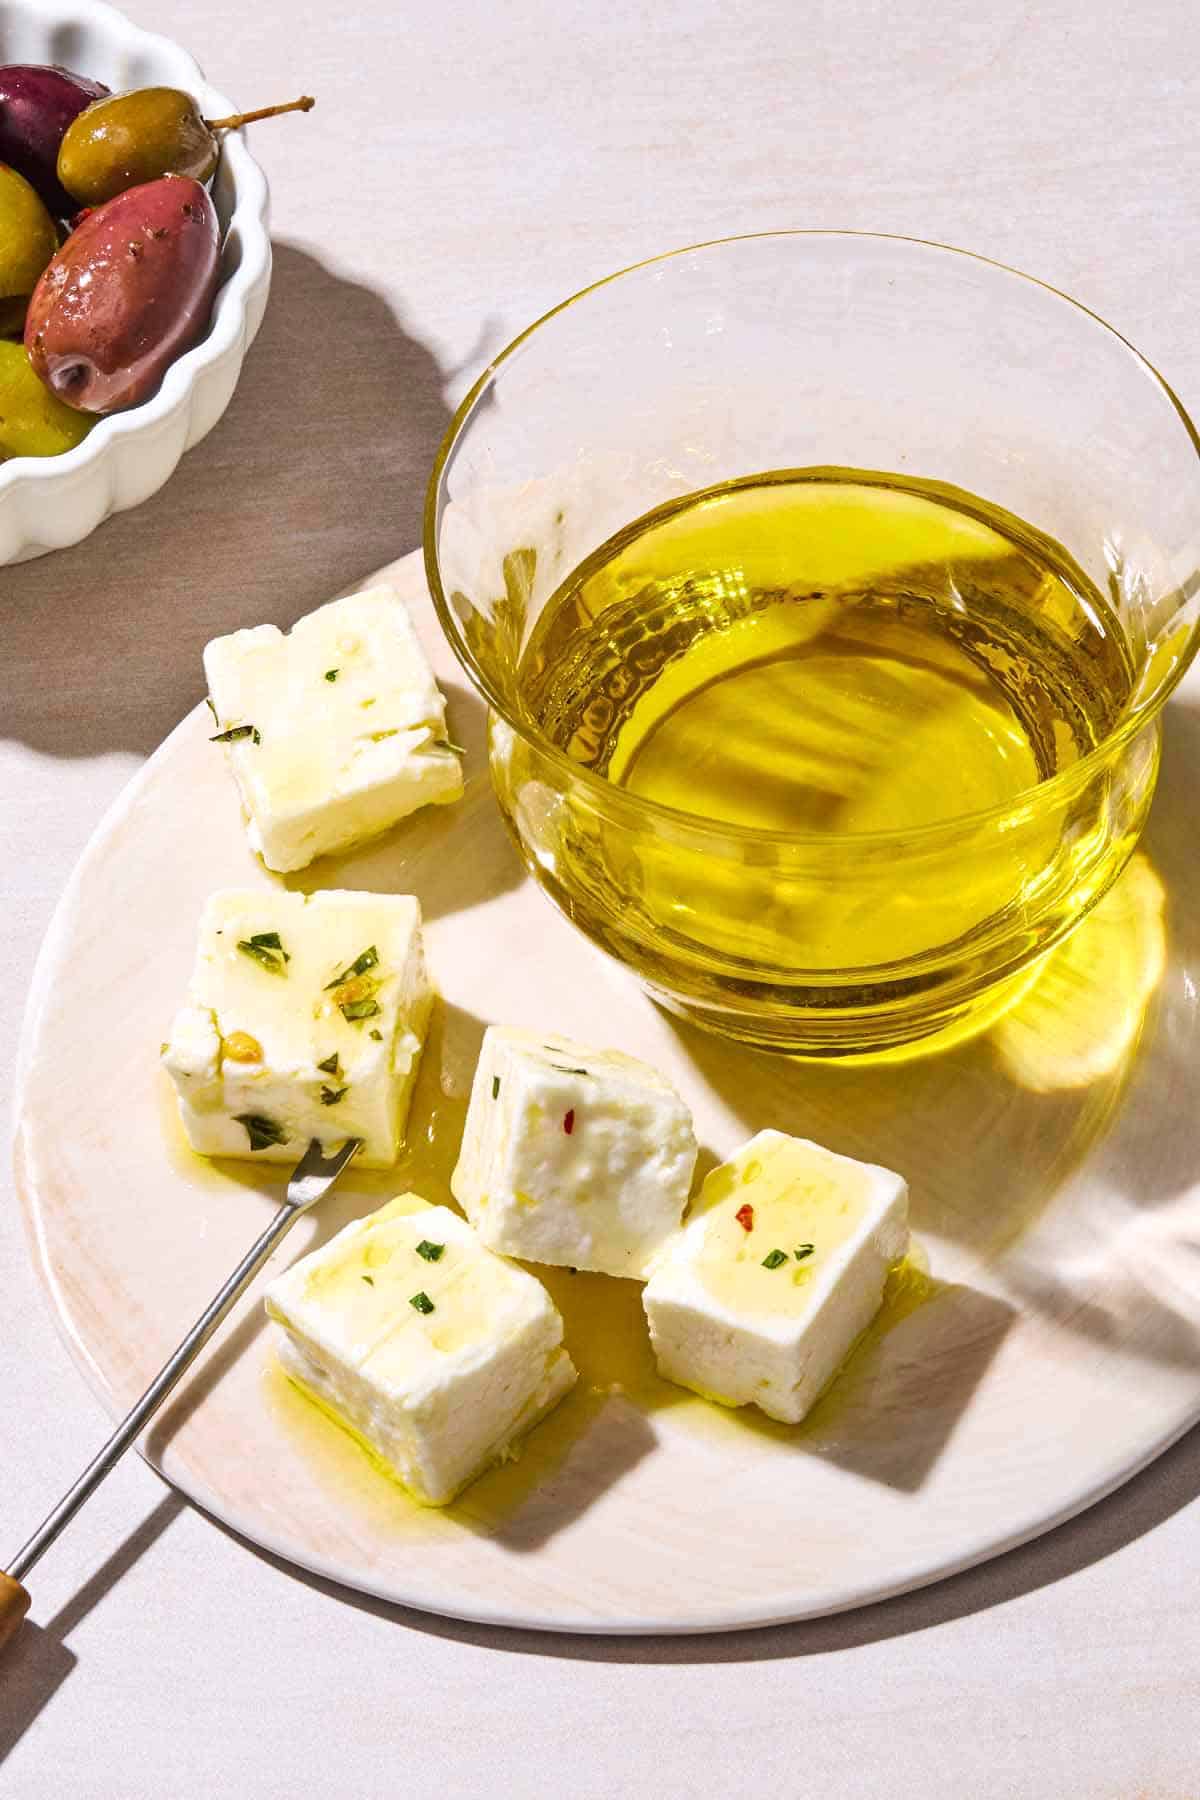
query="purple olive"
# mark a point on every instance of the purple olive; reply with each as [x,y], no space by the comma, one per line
[130,290]
[36,106]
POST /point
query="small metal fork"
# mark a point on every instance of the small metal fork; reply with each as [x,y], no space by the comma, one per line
[312,1178]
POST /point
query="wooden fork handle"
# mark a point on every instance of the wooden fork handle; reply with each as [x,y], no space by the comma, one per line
[14,1604]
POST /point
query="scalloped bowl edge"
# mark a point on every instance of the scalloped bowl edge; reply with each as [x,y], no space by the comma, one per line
[51,502]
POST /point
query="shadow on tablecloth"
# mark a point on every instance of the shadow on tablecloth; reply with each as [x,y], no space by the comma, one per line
[315,476]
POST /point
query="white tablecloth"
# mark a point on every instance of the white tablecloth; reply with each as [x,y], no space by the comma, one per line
[469,164]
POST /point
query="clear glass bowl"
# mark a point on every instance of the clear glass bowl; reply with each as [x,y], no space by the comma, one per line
[791,351]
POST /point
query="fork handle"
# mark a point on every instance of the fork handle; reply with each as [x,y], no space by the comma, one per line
[14,1601]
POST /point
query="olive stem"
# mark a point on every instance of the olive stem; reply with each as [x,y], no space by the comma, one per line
[236,120]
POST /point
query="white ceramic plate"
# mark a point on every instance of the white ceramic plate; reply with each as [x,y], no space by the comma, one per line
[1052,1169]
[49,502]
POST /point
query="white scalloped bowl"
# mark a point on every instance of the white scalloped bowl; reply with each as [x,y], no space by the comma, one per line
[49,502]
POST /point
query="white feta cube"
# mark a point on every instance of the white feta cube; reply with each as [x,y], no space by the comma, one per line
[572,1155]
[780,1266]
[333,731]
[304,1018]
[436,1354]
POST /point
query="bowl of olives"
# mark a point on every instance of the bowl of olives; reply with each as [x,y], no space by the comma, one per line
[135,261]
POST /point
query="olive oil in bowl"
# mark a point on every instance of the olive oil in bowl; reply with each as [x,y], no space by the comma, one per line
[810,663]
[827,652]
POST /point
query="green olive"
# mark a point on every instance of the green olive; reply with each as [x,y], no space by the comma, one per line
[33,421]
[126,139]
[28,239]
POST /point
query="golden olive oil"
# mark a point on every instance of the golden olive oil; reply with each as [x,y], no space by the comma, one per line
[827,653]
[845,693]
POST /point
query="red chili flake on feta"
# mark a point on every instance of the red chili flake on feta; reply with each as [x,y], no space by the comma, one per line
[569,1122]
[745,1217]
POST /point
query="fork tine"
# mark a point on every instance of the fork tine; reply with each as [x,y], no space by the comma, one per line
[315,1173]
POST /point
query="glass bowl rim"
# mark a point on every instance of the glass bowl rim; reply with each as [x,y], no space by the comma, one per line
[610,798]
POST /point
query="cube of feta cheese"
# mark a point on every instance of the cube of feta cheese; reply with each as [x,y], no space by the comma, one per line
[780,1266]
[434,1352]
[304,1019]
[334,731]
[572,1155]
